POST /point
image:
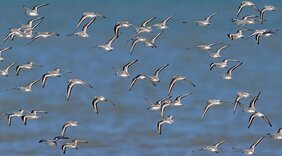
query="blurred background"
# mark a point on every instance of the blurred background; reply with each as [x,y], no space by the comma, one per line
[128,128]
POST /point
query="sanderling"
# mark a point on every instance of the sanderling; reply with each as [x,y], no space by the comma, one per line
[251,150]
[217,53]
[29,24]
[140,77]
[72,144]
[204,47]
[210,103]
[239,96]
[29,65]
[119,25]
[213,148]
[34,10]
[144,27]
[264,34]
[158,104]
[252,105]
[140,39]
[124,72]
[228,75]
[167,120]
[245,4]
[53,73]
[26,88]
[85,15]
[66,125]
[99,99]
[53,142]
[3,50]
[162,25]
[5,71]
[222,64]
[73,82]
[266,8]
[178,78]
[205,21]
[32,115]
[258,114]
[177,100]
[43,35]
[155,77]
[19,113]
[108,45]
[237,35]
[83,33]
[151,42]
[277,136]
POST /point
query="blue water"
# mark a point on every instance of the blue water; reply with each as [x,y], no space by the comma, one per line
[128,128]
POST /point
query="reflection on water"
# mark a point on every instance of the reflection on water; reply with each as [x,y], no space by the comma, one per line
[128,128]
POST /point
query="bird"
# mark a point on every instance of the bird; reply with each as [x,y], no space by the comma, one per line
[213,148]
[258,114]
[98,99]
[177,100]
[32,115]
[277,136]
[144,27]
[26,88]
[18,113]
[3,50]
[228,75]
[119,25]
[204,47]
[167,120]
[264,34]
[73,82]
[158,104]
[162,25]
[222,64]
[205,21]
[240,95]
[68,124]
[73,144]
[43,35]
[108,45]
[245,4]
[210,103]
[217,53]
[34,10]
[155,77]
[251,150]
[265,8]
[250,19]
[178,78]
[140,77]
[85,15]
[83,33]
[53,73]
[53,142]
[5,71]
[29,25]
[151,42]
[164,104]
[124,72]
[237,35]
[13,33]
[252,105]
[140,39]
[28,66]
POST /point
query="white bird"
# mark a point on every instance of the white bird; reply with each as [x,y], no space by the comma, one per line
[162,25]
[222,64]
[246,4]
[213,148]
[83,33]
[68,124]
[140,39]
[4,50]
[119,25]
[32,115]
[210,103]
[151,42]
[205,21]
[155,77]
[29,65]
[251,150]
[108,45]
[178,78]
[43,35]
[73,82]
[217,53]
[237,35]
[140,77]
[277,136]
[73,144]
[5,71]
[239,96]
[124,72]
[98,99]
[26,88]
[258,114]
[228,75]
[85,15]
[266,8]
[53,142]
[19,113]
[144,27]
[167,120]
[34,10]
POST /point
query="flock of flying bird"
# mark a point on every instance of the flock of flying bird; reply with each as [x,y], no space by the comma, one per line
[28,31]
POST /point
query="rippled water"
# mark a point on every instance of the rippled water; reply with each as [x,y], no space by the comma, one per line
[128,128]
